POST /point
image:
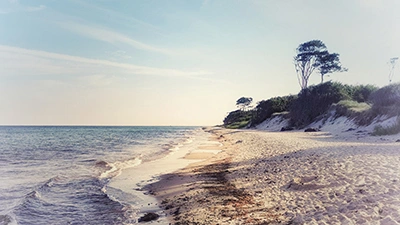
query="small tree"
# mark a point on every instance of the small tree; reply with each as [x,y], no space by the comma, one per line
[244,102]
[329,63]
[308,59]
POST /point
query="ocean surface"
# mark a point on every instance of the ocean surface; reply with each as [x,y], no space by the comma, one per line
[60,174]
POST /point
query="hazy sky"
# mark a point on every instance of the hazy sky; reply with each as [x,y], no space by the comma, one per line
[176,62]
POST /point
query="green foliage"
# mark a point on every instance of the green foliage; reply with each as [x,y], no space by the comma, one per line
[244,102]
[307,60]
[315,101]
[353,109]
[266,108]
[311,47]
[361,93]
[237,125]
[394,129]
[237,119]
[385,101]
[358,107]
[386,96]
[313,55]
[329,63]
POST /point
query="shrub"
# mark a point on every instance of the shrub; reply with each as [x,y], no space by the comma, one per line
[315,101]
[237,125]
[361,93]
[266,108]
[386,96]
[385,101]
[238,119]
[394,129]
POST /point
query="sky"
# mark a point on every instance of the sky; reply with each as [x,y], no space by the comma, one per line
[176,62]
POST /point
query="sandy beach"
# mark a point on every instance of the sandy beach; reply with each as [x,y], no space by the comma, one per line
[258,177]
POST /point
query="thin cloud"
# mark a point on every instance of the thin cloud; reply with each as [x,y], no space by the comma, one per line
[30,58]
[122,18]
[33,9]
[16,6]
[97,80]
[111,37]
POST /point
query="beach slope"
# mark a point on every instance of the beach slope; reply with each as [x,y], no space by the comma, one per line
[286,178]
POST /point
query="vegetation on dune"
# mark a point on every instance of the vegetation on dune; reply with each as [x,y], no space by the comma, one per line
[314,55]
[244,102]
[393,129]
[363,103]
[315,101]
[361,93]
[238,119]
[386,100]
[351,106]
[266,108]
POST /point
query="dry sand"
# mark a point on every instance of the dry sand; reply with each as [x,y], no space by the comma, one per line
[286,178]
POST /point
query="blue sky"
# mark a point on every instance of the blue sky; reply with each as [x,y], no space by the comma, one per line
[176,62]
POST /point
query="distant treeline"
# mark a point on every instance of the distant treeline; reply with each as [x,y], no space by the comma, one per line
[361,102]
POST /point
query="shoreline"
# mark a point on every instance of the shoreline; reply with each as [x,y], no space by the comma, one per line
[211,159]
[130,186]
[287,178]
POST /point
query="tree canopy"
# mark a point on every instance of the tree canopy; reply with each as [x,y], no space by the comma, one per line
[330,63]
[313,55]
[244,102]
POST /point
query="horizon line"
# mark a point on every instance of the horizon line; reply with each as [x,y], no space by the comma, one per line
[95,125]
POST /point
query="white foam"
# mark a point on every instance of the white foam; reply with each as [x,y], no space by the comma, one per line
[117,167]
[214,151]
[132,179]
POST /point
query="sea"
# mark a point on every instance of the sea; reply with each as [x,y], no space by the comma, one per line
[63,174]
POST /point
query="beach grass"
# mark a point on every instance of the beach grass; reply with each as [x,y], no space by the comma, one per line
[354,106]
[380,130]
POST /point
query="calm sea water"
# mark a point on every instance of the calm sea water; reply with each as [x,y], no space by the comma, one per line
[59,175]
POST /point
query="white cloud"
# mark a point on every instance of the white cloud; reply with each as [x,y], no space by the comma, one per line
[25,61]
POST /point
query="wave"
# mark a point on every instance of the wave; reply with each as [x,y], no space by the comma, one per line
[49,183]
[41,189]
[115,169]
[176,145]
[70,201]
[33,195]
[64,181]
[6,220]
[189,140]
[103,164]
